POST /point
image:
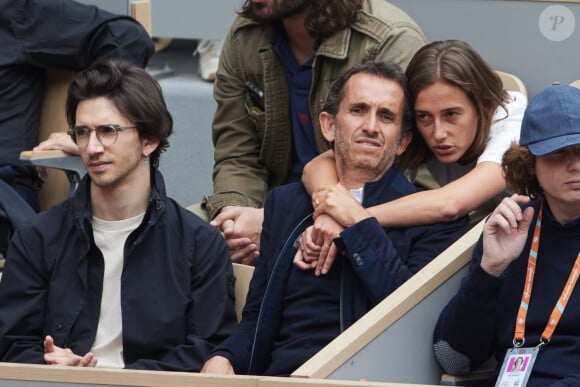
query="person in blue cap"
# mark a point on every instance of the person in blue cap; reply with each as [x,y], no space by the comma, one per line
[519,295]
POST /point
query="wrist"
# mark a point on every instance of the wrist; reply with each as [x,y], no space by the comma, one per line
[494,269]
[359,216]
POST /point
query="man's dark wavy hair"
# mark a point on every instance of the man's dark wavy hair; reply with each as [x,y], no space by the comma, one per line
[325,17]
[133,92]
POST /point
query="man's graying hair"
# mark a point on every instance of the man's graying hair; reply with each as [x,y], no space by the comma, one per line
[386,70]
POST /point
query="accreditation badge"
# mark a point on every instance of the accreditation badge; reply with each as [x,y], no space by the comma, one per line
[517,367]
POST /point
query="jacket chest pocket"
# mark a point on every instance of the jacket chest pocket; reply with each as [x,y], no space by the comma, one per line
[257,117]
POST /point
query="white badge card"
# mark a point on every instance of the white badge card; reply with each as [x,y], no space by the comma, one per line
[517,367]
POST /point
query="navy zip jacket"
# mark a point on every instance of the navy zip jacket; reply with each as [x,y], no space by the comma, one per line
[176,286]
[284,323]
[480,320]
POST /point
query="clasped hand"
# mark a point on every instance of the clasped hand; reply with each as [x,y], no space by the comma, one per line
[334,209]
[241,228]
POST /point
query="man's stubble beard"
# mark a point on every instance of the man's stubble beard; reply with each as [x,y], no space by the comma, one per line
[376,168]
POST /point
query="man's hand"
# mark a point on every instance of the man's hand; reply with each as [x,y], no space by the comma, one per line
[241,227]
[218,365]
[339,203]
[505,234]
[59,141]
[54,355]
[307,251]
[316,247]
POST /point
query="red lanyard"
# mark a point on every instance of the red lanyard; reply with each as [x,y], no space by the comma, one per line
[560,306]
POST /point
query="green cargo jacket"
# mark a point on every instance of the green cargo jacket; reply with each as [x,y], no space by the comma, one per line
[253,146]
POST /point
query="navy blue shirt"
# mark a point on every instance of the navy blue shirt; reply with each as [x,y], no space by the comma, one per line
[299,81]
[312,320]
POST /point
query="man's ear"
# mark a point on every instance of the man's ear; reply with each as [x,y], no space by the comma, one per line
[327,126]
[149,145]
[404,142]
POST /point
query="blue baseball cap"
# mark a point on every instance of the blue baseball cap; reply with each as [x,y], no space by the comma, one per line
[552,120]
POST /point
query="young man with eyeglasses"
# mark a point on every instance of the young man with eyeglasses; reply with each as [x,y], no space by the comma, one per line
[119,275]
[36,36]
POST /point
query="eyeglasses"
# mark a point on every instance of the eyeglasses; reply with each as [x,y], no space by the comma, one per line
[106,134]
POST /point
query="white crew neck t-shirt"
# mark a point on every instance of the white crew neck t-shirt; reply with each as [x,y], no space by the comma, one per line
[110,237]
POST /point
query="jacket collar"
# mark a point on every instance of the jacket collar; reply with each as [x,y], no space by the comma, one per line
[335,46]
[549,217]
[392,185]
[81,204]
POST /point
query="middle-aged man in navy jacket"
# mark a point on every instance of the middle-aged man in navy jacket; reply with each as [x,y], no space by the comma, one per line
[291,313]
